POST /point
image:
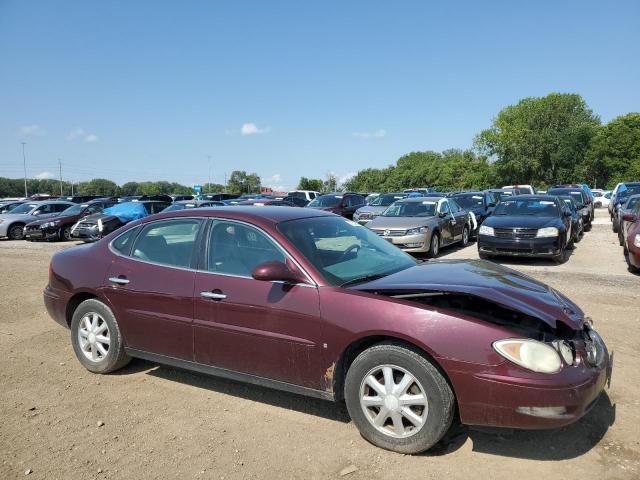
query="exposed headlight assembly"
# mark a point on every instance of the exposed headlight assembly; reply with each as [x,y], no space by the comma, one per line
[484,230]
[530,354]
[547,232]
[100,224]
[416,231]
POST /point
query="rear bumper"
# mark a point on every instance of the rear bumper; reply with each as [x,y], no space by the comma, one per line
[531,247]
[55,301]
[496,400]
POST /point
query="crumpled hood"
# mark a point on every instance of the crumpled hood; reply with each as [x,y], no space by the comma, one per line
[487,280]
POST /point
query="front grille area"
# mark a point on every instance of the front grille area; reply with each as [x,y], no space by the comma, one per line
[516,233]
[390,232]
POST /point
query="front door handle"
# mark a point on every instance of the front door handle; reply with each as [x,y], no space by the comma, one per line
[119,280]
[213,296]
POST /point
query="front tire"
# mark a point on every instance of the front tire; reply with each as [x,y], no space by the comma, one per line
[65,234]
[398,399]
[434,245]
[96,338]
[465,236]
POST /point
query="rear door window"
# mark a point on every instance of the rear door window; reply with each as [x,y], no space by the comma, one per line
[168,242]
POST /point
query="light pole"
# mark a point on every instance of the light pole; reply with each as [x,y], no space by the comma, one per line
[209,186]
[24,165]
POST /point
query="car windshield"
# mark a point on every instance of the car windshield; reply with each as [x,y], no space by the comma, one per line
[343,251]
[386,200]
[632,190]
[426,208]
[325,201]
[468,200]
[24,208]
[529,206]
[73,210]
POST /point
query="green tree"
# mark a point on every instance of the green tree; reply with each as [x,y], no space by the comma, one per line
[212,188]
[241,182]
[614,153]
[310,184]
[540,139]
[97,186]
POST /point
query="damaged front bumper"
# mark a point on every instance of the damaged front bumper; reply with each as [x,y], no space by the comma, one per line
[505,396]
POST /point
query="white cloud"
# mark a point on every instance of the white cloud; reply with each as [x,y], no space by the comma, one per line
[375,134]
[32,131]
[252,129]
[44,175]
[79,133]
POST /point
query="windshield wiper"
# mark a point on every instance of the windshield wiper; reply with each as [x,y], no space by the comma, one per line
[366,278]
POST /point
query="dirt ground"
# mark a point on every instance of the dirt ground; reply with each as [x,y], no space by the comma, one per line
[57,420]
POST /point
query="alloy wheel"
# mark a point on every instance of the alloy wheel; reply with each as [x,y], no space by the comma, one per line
[94,337]
[435,245]
[393,401]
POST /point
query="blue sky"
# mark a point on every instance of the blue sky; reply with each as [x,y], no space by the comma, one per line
[147,90]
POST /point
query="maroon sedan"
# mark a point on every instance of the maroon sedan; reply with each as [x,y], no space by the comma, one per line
[632,239]
[309,302]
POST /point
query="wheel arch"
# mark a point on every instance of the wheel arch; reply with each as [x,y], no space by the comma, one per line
[360,345]
[76,300]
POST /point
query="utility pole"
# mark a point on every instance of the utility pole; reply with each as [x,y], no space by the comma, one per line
[24,165]
[225,182]
[72,188]
[60,169]
[209,186]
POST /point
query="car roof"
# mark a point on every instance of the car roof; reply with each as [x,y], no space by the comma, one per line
[267,214]
[421,199]
[532,197]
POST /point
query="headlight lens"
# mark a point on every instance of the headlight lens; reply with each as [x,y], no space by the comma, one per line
[415,231]
[530,354]
[565,350]
[484,230]
[636,240]
[547,232]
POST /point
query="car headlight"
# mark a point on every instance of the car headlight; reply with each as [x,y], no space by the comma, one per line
[530,354]
[484,230]
[547,232]
[565,350]
[100,224]
[636,240]
[50,224]
[416,231]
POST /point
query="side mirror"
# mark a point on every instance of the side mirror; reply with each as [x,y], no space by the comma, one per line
[629,217]
[276,271]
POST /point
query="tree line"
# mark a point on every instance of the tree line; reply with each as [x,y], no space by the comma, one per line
[239,182]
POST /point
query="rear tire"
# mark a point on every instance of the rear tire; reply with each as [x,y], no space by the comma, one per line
[96,338]
[614,226]
[16,232]
[404,425]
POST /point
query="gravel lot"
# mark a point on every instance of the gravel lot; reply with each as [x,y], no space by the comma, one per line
[59,421]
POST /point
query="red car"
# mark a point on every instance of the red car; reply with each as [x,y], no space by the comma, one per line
[309,302]
[632,239]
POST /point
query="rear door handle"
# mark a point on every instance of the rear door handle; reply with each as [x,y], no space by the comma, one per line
[119,280]
[213,296]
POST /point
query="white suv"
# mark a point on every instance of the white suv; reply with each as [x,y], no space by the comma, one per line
[308,195]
